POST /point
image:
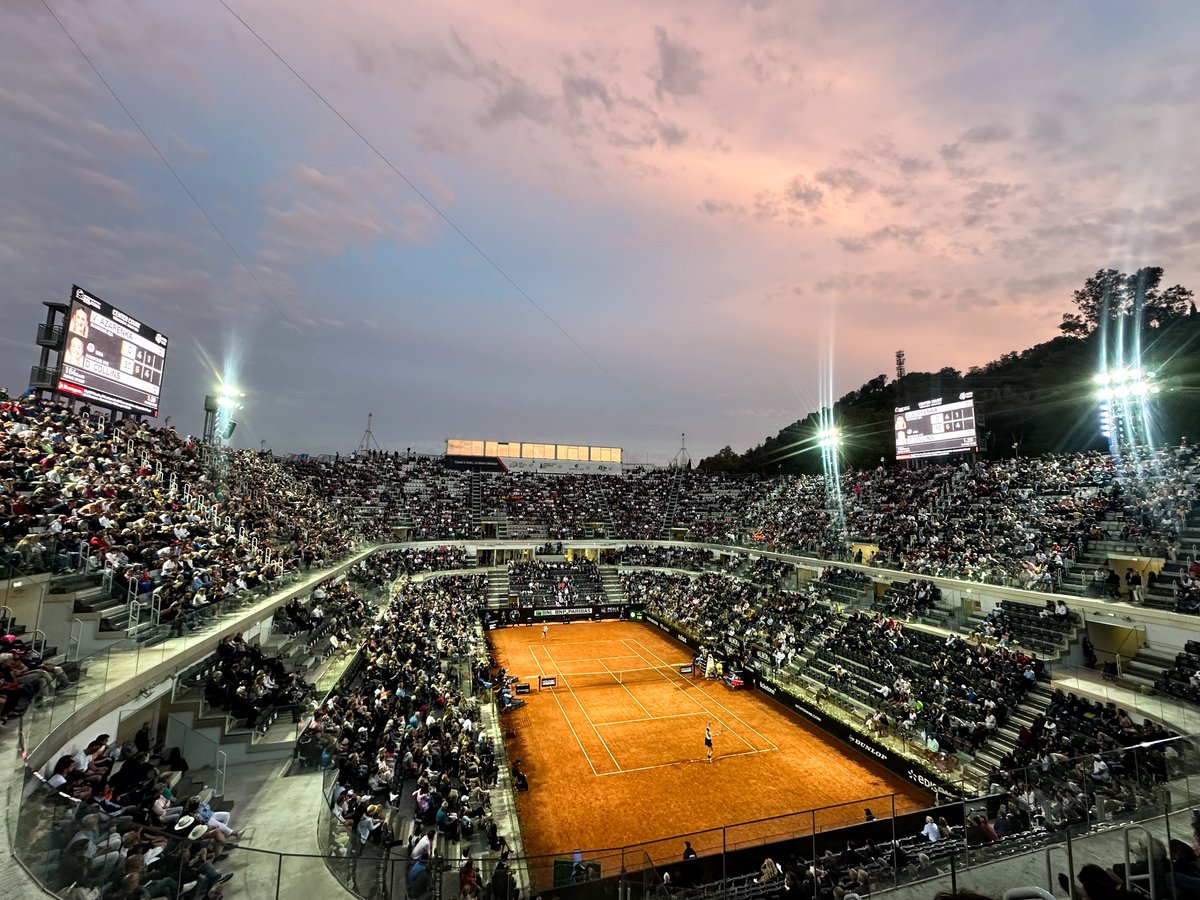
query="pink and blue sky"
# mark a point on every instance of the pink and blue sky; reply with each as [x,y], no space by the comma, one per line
[719,201]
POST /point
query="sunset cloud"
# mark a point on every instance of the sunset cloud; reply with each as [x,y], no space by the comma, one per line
[703,195]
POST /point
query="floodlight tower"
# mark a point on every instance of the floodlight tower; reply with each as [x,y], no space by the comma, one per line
[829,436]
[219,409]
[1126,397]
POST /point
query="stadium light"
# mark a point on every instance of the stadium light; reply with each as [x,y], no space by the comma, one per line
[219,409]
[1124,394]
[829,438]
[230,397]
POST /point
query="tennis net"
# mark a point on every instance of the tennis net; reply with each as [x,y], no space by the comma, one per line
[575,680]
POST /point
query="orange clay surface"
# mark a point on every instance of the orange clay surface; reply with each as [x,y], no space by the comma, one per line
[617,764]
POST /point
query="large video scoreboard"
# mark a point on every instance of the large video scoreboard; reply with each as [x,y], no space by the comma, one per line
[935,428]
[110,358]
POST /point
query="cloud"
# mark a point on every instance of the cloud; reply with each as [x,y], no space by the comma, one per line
[985,198]
[313,214]
[720,208]
[515,99]
[908,236]
[1047,128]
[680,71]
[991,133]
[671,135]
[578,88]
[802,191]
[912,165]
[846,180]
[630,166]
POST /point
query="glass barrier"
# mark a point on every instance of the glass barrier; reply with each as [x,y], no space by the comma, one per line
[1134,820]
[125,659]
[1177,713]
[1074,814]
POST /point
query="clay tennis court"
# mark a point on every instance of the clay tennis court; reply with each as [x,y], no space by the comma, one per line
[615,752]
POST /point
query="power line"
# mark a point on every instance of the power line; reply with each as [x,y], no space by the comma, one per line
[195,200]
[433,206]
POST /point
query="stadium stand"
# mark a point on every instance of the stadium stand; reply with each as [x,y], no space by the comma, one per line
[549,583]
[130,514]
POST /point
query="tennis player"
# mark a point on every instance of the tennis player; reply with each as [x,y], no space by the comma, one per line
[545,631]
[708,739]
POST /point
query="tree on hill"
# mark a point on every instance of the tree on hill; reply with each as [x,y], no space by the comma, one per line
[1031,401]
[1110,296]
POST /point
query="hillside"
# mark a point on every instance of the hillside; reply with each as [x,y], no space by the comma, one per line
[1042,399]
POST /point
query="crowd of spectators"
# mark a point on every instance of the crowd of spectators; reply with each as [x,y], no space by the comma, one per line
[1183,678]
[732,618]
[792,514]
[25,676]
[405,728]
[709,507]
[853,579]
[1011,624]
[138,840]
[1084,762]
[1019,522]
[380,569]
[908,599]
[666,557]
[768,571]
[366,488]
[544,506]
[638,502]
[950,693]
[246,683]
[551,583]
[79,493]
[1187,589]
[115,825]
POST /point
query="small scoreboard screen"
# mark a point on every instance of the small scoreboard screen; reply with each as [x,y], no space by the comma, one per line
[935,427]
[110,358]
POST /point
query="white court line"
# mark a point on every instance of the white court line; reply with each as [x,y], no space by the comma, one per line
[627,690]
[568,643]
[683,762]
[770,745]
[680,687]
[585,715]
[567,718]
[650,719]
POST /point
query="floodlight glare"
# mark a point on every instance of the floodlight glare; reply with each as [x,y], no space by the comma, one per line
[829,437]
[1102,379]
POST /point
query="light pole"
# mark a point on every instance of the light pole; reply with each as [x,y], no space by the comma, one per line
[829,437]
